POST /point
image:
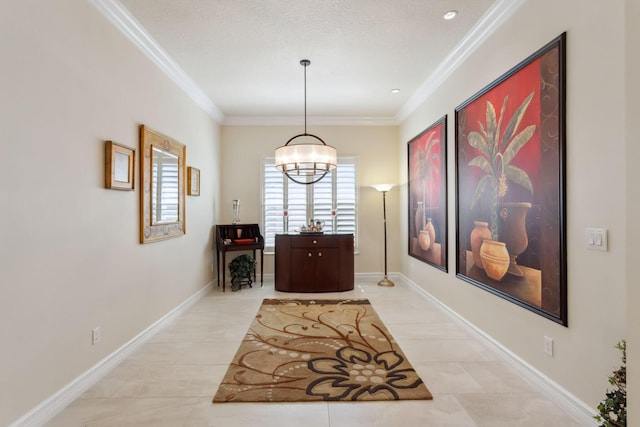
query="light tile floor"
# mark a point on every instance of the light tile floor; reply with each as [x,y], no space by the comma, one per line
[172,378]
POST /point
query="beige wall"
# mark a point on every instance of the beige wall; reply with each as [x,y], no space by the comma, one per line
[245,147]
[584,353]
[632,14]
[69,253]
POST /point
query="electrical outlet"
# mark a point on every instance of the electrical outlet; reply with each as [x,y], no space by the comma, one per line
[96,335]
[211,267]
[548,345]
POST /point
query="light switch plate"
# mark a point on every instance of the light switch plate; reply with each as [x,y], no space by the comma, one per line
[548,345]
[596,239]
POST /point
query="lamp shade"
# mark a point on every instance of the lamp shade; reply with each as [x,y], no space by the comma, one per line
[306,159]
[383,187]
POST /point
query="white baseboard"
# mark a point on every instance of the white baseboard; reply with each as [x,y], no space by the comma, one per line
[46,410]
[365,277]
[573,406]
[376,277]
[50,407]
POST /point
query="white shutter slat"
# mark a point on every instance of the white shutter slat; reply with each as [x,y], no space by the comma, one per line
[337,191]
[273,203]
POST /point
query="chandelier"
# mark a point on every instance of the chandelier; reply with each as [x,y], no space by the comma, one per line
[310,158]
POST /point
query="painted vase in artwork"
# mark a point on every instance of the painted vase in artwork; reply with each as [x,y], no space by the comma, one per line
[495,259]
[429,228]
[479,233]
[514,232]
[419,218]
[424,240]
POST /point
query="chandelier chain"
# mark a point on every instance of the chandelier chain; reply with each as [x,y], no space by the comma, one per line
[305,63]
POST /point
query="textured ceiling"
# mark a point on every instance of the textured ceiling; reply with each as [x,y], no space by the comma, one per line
[245,54]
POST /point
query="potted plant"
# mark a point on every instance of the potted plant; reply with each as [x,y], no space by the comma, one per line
[241,268]
[613,409]
[496,153]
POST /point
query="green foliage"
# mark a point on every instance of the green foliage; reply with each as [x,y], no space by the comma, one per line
[613,409]
[241,267]
[427,159]
[496,154]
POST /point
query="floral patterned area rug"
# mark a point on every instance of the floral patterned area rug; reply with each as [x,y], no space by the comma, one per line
[319,350]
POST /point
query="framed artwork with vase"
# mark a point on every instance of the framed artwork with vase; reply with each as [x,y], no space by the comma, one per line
[427,170]
[510,185]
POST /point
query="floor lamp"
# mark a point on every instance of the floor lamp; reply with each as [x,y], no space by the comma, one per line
[383,188]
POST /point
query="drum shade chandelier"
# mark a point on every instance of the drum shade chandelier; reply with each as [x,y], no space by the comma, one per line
[306,162]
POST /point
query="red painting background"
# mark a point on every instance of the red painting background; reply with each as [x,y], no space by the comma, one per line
[518,87]
[432,187]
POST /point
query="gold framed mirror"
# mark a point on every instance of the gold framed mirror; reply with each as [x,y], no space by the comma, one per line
[162,174]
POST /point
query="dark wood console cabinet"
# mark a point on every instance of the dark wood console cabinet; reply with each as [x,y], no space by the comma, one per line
[314,262]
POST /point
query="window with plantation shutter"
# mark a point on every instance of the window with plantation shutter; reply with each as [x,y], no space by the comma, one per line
[164,195]
[335,194]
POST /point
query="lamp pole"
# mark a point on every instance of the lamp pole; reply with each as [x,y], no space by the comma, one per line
[383,188]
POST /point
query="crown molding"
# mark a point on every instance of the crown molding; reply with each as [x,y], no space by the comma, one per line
[312,120]
[130,27]
[499,13]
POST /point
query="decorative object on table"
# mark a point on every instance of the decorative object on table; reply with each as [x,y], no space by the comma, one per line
[311,159]
[236,212]
[193,181]
[241,268]
[613,409]
[383,188]
[510,146]
[427,171]
[293,352]
[119,166]
[244,241]
[162,197]
[314,226]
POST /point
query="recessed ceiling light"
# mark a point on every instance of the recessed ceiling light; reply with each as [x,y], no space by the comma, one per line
[450,15]
[395,90]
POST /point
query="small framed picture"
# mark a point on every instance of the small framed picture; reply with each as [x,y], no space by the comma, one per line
[119,170]
[193,181]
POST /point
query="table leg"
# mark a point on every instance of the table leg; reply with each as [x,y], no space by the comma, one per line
[224,270]
[218,266]
[261,266]
[254,267]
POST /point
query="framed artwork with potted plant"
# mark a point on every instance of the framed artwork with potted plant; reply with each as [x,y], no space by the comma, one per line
[427,170]
[510,185]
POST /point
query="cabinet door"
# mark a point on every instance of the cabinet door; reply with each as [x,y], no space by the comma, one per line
[326,270]
[303,267]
